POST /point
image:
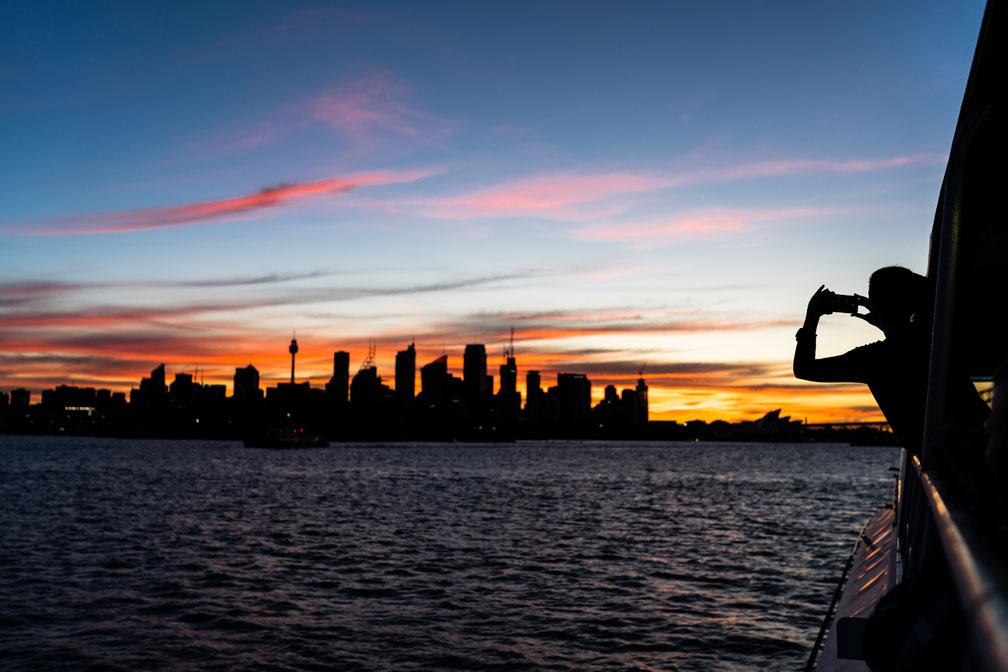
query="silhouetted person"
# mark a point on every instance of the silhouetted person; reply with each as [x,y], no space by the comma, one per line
[896,368]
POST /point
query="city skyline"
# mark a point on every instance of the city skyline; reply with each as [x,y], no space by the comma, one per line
[654,186]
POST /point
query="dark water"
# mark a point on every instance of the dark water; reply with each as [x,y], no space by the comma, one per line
[177,555]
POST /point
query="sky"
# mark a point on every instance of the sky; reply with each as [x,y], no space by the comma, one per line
[654,186]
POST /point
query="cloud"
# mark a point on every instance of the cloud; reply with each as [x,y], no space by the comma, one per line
[31,305]
[695,225]
[561,325]
[365,106]
[787,167]
[548,195]
[17,294]
[371,112]
[268,278]
[210,211]
[589,196]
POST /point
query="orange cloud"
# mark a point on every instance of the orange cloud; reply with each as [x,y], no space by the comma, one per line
[194,213]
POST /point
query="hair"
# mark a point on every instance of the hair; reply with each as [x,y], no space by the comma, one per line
[902,293]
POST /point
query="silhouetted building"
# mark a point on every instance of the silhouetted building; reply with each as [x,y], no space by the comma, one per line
[69,399]
[642,402]
[434,381]
[152,391]
[574,398]
[181,391]
[533,384]
[534,402]
[20,400]
[209,393]
[405,373]
[289,404]
[508,397]
[246,384]
[608,414]
[509,376]
[365,389]
[610,396]
[339,385]
[474,373]
[629,409]
[157,380]
[4,402]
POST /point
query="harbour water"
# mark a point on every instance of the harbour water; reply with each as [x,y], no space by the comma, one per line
[131,555]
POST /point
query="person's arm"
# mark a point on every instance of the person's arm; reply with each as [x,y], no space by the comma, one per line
[839,369]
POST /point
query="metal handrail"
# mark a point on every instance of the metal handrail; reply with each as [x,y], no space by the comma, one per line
[817,647]
[973,560]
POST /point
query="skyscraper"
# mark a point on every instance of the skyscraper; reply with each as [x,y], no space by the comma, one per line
[246,384]
[509,376]
[642,402]
[533,384]
[434,381]
[474,373]
[574,391]
[365,388]
[508,398]
[405,373]
[339,385]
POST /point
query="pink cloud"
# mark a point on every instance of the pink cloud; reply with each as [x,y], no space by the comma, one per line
[547,195]
[784,167]
[368,110]
[364,111]
[708,223]
[363,106]
[573,197]
[195,213]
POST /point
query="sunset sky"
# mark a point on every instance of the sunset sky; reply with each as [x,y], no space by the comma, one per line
[626,184]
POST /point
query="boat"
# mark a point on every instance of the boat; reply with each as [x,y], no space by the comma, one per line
[938,552]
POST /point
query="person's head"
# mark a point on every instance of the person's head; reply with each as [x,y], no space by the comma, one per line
[898,298]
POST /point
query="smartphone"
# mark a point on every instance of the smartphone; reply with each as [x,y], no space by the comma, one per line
[845,303]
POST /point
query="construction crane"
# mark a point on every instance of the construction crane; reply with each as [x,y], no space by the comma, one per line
[369,362]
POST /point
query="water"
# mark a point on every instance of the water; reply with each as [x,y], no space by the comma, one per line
[574,556]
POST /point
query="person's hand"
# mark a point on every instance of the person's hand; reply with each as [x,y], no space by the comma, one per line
[867,317]
[821,303]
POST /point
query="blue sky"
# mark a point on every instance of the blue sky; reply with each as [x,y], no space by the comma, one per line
[623,183]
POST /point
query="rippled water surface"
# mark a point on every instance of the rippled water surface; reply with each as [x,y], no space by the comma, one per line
[564,556]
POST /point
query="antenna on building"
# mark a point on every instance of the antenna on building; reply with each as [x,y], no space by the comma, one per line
[640,371]
[511,343]
[369,362]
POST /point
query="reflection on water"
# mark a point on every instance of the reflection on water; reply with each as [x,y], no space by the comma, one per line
[155,555]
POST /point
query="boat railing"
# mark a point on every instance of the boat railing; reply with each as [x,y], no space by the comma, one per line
[938,524]
[932,517]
